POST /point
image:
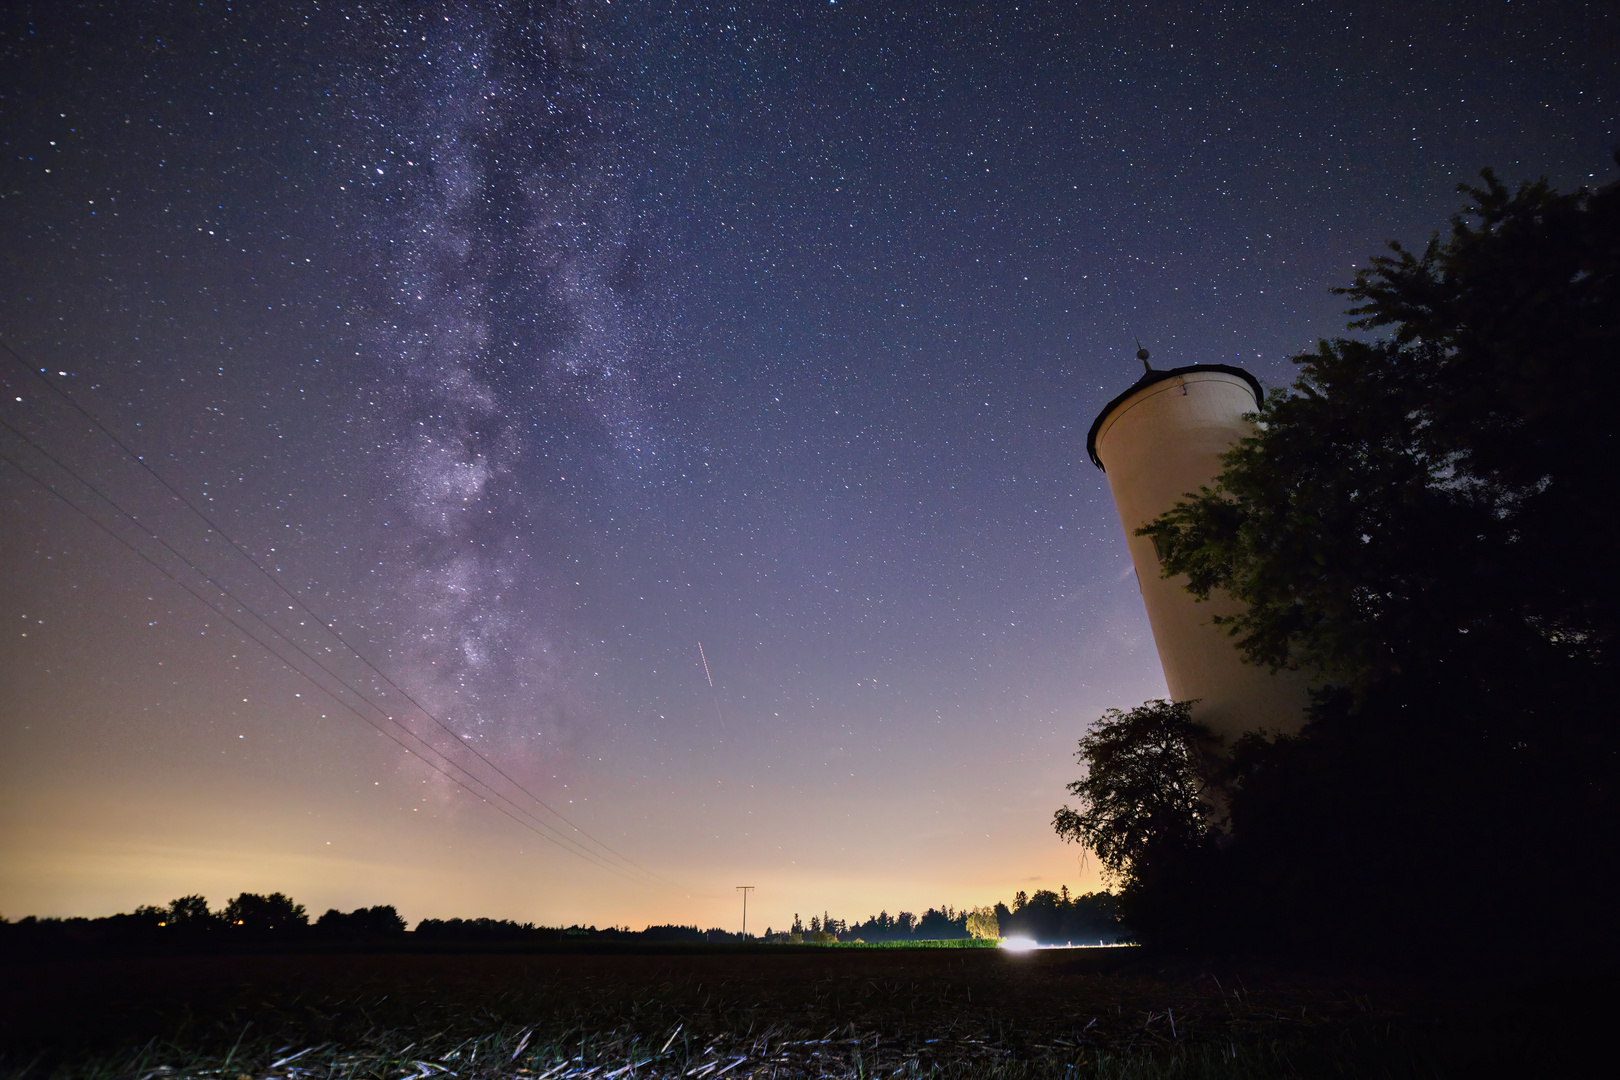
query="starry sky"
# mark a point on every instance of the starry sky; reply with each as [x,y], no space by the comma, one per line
[655,432]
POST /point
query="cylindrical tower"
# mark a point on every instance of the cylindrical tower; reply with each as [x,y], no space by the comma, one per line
[1159,441]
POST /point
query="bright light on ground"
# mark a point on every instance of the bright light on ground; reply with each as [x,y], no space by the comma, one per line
[1024,944]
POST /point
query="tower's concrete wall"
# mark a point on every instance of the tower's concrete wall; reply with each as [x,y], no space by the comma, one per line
[1157,445]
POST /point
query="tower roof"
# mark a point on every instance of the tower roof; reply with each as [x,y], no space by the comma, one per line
[1152,376]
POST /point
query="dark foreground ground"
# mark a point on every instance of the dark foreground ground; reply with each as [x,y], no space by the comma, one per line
[770,1013]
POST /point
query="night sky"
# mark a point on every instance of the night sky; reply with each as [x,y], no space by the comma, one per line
[530,346]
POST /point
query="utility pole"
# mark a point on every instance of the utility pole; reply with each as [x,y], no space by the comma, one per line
[744,890]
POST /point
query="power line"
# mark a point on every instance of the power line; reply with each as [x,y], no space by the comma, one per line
[251,636]
[493,792]
[73,403]
[449,762]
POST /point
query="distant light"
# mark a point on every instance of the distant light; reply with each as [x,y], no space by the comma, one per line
[1018,944]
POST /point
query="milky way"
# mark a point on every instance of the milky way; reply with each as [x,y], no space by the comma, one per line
[521,336]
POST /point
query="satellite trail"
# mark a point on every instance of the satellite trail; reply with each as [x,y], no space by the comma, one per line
[712,690]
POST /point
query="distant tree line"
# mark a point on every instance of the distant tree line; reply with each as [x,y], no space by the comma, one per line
[276,918]
[1053,917]
[508,930]
[1047,917]
[188,918]
[1424,522]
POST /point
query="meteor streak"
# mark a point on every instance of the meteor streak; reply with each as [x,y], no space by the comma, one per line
[712,690]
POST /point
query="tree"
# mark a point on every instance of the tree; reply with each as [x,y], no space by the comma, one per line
[379,921]
[190,913]
[1151,814]
[1425,519]
[265,914]
[1441,495]
[1142,795]
[982,924]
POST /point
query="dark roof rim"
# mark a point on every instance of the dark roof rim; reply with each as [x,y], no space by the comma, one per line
[1154,376]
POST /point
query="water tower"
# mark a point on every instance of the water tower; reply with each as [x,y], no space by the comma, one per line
[1158,441]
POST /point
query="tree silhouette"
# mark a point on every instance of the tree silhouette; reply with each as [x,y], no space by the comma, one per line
[1142,793]
[257,914]
[1425,520]
[190,913]
[373,922]
[1435,496]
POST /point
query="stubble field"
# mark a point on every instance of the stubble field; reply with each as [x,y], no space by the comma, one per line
[791,1012]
